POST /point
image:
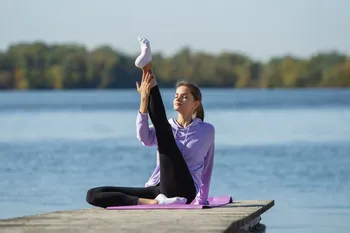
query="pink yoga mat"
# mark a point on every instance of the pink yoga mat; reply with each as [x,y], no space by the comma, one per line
[213,202]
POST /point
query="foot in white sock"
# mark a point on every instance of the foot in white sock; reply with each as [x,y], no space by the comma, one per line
[163,200]
[146,55]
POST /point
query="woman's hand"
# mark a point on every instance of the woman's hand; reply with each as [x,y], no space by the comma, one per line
[146,83]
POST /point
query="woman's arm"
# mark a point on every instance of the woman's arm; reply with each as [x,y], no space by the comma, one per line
[203,193]
[146,134]
[144,104]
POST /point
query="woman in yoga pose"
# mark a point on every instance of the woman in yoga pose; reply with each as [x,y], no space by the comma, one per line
[185,152]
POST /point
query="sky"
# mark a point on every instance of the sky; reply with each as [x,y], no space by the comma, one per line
[261,29]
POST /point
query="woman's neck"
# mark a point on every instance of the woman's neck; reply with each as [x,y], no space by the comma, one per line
[184,121]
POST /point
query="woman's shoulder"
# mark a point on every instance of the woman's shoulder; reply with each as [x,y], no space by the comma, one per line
[208,127]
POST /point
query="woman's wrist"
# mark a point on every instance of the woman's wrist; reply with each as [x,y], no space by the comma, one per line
[144,104]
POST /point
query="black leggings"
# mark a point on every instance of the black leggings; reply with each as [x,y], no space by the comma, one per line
[175,177]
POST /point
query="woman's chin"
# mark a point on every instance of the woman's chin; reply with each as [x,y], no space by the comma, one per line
[177,108]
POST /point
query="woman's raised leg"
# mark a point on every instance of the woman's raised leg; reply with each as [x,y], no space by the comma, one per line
[175,177]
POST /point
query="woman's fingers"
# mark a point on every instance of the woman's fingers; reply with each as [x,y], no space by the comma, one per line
[144,75]
[148,78]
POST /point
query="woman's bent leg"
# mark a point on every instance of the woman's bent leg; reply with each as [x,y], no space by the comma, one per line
[118,196]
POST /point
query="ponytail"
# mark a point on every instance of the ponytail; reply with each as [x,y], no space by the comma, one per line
[199,112]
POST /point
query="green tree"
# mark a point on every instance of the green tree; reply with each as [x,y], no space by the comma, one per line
[39,65]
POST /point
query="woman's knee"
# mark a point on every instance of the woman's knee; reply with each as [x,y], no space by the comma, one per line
[91,196]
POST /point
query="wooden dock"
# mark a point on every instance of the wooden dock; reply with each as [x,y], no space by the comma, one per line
[221,219]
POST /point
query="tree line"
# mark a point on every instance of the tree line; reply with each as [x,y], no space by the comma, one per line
[38,65]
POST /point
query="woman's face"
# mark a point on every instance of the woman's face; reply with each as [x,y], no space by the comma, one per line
[184,101]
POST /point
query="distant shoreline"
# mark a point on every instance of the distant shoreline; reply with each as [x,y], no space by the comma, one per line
[39,65]
[172,88]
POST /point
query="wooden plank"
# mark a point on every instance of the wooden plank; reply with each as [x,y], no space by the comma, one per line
[223,219]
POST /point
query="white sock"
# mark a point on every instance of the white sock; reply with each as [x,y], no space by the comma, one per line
[146,55]
[163,200]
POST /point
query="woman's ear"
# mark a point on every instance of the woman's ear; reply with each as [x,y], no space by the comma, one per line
[197,105]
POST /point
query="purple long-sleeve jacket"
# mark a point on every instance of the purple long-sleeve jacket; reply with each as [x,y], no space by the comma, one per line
[196,142]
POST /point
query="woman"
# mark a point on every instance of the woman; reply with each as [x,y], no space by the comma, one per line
[185,146]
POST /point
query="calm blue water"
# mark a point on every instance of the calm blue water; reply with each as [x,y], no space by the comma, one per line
[292,146]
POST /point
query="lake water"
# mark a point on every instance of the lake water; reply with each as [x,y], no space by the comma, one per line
[292,146]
